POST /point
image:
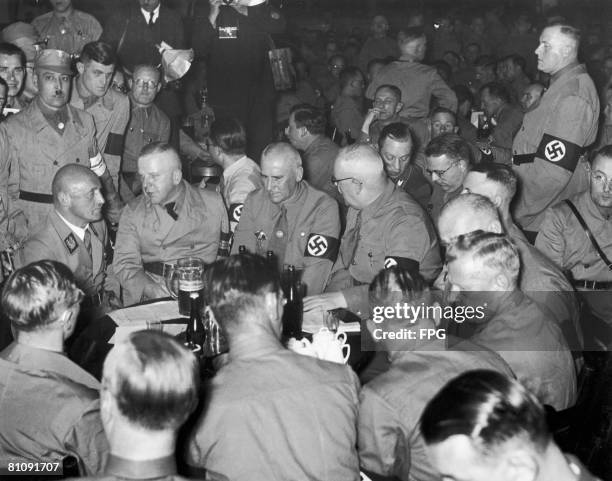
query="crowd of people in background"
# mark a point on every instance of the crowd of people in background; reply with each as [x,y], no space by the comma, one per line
[458,160]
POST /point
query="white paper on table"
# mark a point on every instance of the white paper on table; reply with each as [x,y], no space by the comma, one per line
[138,318]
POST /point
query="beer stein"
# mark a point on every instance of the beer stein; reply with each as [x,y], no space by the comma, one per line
[183,278]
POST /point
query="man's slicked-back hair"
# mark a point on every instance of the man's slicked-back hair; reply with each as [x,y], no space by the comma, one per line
[495,251]
[571,32]
[100,52]
[394,89]
[605,151]
[444,110]
[37,294]
[236,285]
[229,135]
[305,115]
[488,407]
[12,49]
[451,145]
[478,205]
[153,379]
[497,90]
[394,284]
[502,174]
[397,131]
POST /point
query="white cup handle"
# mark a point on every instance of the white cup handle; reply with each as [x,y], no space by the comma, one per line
[341,336]
[348,352]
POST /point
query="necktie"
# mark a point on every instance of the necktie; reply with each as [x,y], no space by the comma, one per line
[87,241]
[278,242]
[349,243]
[151,18]
[170,209]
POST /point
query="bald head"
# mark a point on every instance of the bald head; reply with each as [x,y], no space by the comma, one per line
[281,171]
[77,194]
[363,169]
[467,213]
[70,176]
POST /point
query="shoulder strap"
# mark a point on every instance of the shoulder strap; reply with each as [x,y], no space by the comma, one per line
[589,234]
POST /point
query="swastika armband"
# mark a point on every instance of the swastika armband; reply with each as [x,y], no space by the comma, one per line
[405,263]
[559,151]
[322,246]
[235,211]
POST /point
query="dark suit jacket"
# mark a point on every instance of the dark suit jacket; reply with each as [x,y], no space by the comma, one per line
[138,45]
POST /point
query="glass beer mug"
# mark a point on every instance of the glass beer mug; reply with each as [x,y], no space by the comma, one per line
[183,279]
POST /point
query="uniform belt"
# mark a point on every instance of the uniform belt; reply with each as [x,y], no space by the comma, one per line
[592,285]
[35,197]
[158,268]
[93,300]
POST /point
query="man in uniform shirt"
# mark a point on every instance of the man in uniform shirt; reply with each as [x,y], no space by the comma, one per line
[384,227]
[531,97]
[566,242]
[379,45]
[74,233]
[300,224]
[549,145]
[306,132]
[66,28]
[396,148]
[149,388]
[147,124]
[391,404]
[483,268]
[110,109]
[540,279]
[448,161]
[24,36]
[13,71]
[170,220]
[419,83]
[46,135]
[49,406]
[241,176]
[269,403]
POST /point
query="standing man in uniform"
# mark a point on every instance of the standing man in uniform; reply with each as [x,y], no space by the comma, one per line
[571,245]
[148,124]
[419,83]
[550,143]
[46,135]
[384,227]
[66,28]
[170,220]
[74,233]
[13,71]
[300,224]
[241,176]
[110,109]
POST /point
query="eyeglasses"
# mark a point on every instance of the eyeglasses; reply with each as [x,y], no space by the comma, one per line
[601,178]
[335,181]
[440,173]
[150,84]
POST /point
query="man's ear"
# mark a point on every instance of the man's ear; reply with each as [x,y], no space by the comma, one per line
[299,173]
[455,129]
[64,199]
[177,176]
[80,68]
[502,282]
[130,83]
[399,107]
